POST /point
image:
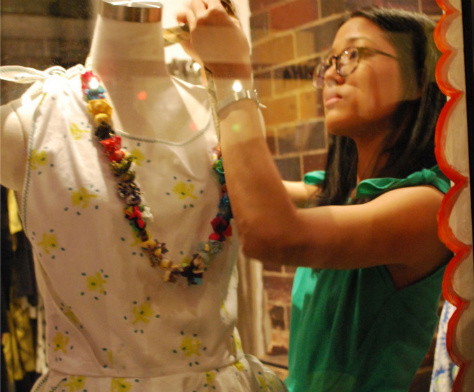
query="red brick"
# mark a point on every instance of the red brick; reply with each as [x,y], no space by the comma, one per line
[278,288]
[284,82]
[263,83]
[408,5]
[430,7]
[305,137]
[258,5]
[331,7]
[354,4]
[276,349]
[271,143]
[294,14]
[259,25]
[288,313]
[317,39]
[294,76]
[289,269]
[279,343]
[272,267]
[276,51]
[280,111]
[316,161]
[311,105]
[290,168]
[278,317]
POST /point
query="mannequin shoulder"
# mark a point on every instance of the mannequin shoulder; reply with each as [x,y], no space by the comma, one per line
[15,122]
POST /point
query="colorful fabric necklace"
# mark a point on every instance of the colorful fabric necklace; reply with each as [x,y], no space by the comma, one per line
[128,191]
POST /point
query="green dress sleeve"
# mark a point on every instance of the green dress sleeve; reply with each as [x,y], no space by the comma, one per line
[376,186]
[314,177]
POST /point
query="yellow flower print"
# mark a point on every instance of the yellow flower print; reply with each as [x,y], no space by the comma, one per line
[60,342]
[82,197]
[138,156]
[238,344]
[142,313]
[120,385]
[77,132]
[263,382]
[49,242]
[67,311]
[76,383]
[190,346]
[210,378]
[38,158]
[184,190]
[239,366]
[224,309]
[110,357]
[96,283]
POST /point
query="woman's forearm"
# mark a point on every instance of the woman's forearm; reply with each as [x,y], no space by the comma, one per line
[260,202]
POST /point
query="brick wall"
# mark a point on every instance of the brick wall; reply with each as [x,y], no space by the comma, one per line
[288,37]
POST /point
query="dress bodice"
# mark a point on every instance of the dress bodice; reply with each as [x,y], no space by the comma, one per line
[111,317]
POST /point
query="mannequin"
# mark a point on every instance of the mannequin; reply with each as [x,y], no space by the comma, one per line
[113,323]
[137,56]
[131,64]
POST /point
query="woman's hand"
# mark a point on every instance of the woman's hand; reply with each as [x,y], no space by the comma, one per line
[217,41]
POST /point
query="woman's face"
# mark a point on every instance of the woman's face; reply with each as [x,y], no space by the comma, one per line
[362,103]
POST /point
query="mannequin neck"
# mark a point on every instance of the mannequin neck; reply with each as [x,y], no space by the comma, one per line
[124,50]
[127,53]
[131,11]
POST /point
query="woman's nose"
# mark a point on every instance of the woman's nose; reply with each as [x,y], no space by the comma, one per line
[331,76]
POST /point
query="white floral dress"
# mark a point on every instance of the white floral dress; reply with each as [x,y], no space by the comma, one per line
[112,323]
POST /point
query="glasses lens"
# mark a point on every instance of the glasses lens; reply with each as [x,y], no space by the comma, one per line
[318,74]
[348,61]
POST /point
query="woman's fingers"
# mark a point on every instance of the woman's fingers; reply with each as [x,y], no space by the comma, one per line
[216,38]
[199,7]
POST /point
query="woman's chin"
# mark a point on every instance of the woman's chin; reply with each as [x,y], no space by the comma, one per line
[338,128]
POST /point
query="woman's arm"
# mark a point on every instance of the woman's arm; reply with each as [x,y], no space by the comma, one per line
[300,192]
[398,229]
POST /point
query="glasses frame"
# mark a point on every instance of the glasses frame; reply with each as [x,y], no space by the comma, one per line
[326,63]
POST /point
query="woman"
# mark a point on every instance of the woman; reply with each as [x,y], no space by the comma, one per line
[364,303]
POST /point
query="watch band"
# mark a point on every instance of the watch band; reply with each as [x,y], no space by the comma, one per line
[238,96]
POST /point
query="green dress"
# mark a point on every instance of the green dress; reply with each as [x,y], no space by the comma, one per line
[351,330]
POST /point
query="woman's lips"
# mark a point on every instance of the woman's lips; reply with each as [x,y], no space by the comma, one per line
[331,97]
[331,101]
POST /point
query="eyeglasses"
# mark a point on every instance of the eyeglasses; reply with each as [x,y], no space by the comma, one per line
[346,63]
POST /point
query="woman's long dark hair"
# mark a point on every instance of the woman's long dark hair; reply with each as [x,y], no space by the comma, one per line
[410,145]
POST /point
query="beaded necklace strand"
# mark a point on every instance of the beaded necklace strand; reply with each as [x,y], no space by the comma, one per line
[128,191]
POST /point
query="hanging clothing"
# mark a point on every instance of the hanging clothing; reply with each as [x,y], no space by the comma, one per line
[112,323]
[444,369]
[19,298]
[352,330]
